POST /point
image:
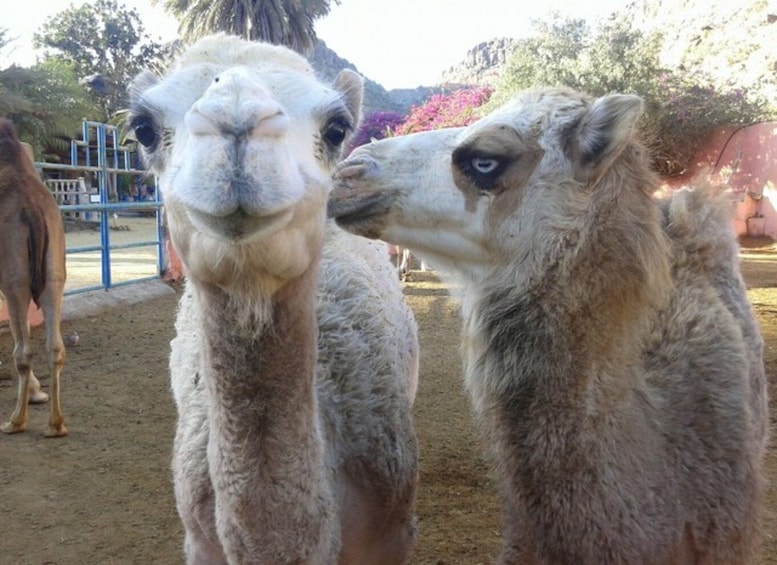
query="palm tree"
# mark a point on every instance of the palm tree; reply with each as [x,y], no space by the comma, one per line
[46,105]
[283,22]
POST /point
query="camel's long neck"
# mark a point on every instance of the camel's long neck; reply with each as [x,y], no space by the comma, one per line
[540,397]
[560,352]
[262,370]
[577,315]
[529,353]
[265,448]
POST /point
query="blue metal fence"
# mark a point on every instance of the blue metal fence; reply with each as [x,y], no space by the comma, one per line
[100,143]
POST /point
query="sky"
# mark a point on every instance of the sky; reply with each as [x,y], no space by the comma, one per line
[397,43]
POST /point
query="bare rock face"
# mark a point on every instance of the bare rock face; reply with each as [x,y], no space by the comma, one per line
[731,41]
[483,63]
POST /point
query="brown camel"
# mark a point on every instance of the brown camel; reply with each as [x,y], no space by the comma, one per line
[32,267]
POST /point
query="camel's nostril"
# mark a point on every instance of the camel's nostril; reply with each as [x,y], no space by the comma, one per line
[272,125]
[353,169]
[262,119]
[199,123]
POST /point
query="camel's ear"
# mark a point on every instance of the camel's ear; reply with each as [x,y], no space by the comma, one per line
[602,133]
[351,86]
[142,82]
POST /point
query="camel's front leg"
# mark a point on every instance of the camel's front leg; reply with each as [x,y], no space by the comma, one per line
[51,302]
[193,490]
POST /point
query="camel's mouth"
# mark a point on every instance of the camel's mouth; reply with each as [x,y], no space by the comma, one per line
[238,225]
[362,213]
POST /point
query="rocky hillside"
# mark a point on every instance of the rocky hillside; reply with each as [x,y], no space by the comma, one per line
[732,41]
[482,64]
[376,98]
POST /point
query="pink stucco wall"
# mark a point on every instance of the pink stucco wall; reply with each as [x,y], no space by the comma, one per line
[745,160]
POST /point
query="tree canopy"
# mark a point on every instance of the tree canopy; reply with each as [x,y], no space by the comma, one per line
[283,22]
[45,102]
[106,46]
[681,107]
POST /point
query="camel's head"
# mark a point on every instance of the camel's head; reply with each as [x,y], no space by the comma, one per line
[510,186]
[244,139]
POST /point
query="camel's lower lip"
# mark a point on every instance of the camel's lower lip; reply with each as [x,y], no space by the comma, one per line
[351,210]
[235,226]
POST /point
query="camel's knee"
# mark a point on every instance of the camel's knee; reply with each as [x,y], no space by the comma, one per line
[56,354]
[23,364]
[22,358]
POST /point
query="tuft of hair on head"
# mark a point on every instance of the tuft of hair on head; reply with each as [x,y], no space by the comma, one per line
[351,85]
[602,133]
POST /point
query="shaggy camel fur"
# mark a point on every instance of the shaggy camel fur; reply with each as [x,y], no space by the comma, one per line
[610,352]
[295,362]
[32,267]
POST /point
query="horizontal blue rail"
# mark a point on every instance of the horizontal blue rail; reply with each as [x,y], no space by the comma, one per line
[105,247]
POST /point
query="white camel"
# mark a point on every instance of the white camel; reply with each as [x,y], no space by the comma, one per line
[295,362]
[32,267]
[610,352]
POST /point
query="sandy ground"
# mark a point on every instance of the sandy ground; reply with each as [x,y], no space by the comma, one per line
[104,495]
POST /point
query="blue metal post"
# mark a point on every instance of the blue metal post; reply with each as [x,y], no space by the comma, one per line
[102,183]
[160,229]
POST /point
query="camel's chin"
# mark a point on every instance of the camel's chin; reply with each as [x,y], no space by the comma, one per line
[363,214]
[239,225]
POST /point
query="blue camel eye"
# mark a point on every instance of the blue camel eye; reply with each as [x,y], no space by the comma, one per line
[484,165]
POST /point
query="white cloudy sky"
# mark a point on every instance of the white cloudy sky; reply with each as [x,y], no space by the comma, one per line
[398,43]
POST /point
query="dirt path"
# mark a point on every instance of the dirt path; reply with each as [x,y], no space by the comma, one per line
[104,495]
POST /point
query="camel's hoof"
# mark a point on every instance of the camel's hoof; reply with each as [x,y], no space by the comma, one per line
[11,428]
[56,431]
[38,397]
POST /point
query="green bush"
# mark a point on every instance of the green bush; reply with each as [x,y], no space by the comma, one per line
[680,107]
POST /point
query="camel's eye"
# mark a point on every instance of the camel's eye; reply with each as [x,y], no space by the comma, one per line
[335,131]
[145,132]
[480,168]
[484,165]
